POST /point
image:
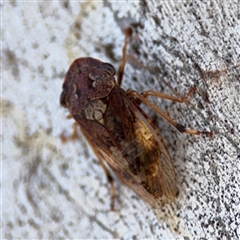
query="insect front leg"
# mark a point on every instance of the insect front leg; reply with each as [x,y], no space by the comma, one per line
[128,33]
[143,99]
[74,134]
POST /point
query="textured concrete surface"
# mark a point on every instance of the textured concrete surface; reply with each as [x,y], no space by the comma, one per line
[55,190]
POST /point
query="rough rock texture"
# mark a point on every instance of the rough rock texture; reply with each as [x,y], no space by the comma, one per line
[55,190]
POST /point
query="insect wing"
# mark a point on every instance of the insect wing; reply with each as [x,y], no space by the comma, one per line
[125,138]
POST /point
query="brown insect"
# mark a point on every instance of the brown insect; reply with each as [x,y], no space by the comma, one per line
[118,130]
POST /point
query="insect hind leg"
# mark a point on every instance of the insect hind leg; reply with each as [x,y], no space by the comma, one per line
[101,161]
[143,99]
[110,179]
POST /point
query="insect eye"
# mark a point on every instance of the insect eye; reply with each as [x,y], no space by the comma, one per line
[106,67]
[63,98]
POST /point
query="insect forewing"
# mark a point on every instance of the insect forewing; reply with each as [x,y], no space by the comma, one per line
[125,138]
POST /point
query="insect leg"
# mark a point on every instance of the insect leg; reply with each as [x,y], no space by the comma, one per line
[101,161]
[181,128]
[110,180]
[165,96]
[74,134]
[128,32]
[109,177]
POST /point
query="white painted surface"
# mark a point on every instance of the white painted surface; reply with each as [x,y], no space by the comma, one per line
[55,190]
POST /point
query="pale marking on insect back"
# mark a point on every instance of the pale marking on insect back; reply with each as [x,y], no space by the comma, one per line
[98,79]
[74,96]
[95,110]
